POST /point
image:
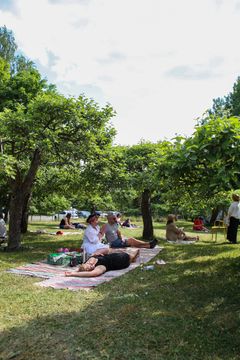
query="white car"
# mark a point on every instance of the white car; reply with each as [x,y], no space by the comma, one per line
[62,214]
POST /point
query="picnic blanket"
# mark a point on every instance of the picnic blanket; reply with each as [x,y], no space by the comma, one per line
[184,242]
[44,232]
[55,278]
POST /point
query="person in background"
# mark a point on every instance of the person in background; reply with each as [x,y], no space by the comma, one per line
[97,265]
[232,220]
[198,224]
[92,236]
[118,217]
[66,222]
[127,223]
[3,228]
[115,238]
[174,233]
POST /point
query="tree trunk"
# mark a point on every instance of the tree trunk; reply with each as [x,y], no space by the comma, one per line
[21,188]
[214,215]
[14,238]
[147,215]
[24,222]
[94,208]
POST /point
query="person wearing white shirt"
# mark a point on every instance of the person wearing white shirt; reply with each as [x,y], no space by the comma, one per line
[3,229]
[233,218]
[92,236]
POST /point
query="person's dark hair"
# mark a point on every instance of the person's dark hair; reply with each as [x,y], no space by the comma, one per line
[1,215]
[91,216]
[235,197]
[68,215]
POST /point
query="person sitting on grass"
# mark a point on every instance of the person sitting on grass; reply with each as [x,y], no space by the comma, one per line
[198,224]
[127,223]
[66,222]
[115,238]
[174,233]
[3,229]
[97,265]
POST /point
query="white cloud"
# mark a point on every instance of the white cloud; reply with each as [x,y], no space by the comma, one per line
[159,63]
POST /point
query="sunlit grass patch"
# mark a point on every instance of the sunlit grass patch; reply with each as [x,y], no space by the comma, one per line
[185,309]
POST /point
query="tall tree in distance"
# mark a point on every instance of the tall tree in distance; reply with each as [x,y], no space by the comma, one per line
[8,45]
[229,105]
[143,162]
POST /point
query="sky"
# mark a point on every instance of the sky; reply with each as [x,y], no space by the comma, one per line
[159,63]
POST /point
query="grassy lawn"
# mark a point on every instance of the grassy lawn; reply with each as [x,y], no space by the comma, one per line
[186,309]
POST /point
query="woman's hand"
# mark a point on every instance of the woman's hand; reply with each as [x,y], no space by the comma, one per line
[68,273]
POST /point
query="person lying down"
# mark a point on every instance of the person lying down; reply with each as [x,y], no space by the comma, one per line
[98,264]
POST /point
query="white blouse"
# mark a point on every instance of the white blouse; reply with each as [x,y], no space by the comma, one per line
[234,211]
[91,242]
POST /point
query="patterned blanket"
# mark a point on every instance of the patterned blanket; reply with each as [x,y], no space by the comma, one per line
[54,274]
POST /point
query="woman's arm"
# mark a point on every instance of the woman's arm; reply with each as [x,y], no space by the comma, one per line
[230,210]
[176,229]
[99,270]
[119,234]
[102,232]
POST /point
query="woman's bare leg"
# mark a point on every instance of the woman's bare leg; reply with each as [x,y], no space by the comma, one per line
[133,255]
[69,227]
[138,243]
[189,238]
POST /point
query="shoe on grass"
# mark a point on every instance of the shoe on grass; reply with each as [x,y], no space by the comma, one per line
[153,243]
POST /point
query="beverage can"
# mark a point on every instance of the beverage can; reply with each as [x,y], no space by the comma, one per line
[148,267]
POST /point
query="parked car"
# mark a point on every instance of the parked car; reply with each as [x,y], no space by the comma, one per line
[62,214]
[84,213]
[113,212]
[101,213]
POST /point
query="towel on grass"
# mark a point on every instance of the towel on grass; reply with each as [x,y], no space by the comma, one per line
[184,242]
[56,279]
[44,232]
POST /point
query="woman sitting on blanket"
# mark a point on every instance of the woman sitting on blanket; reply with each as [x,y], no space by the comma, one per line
[173,233]
[97,265]
[92,236]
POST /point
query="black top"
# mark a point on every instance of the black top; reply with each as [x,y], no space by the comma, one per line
[115,261]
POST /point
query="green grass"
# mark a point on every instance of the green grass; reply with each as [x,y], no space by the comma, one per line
[186,309]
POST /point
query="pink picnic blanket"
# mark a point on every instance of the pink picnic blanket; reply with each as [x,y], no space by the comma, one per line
[55,278]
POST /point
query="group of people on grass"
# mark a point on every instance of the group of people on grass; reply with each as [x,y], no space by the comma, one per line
[110,256]
[93,235]
[231,221]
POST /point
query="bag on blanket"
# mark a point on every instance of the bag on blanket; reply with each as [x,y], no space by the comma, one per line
[70,259]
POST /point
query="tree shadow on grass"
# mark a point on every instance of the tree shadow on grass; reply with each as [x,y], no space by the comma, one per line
[37,249]
[180,311]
